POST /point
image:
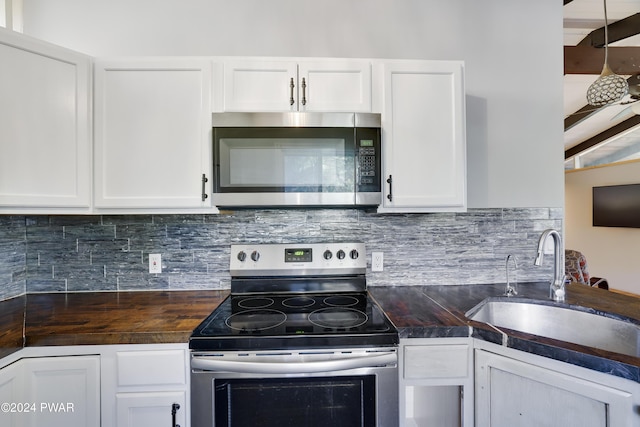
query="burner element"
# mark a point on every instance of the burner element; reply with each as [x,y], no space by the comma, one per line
[256,302]
[338,318]
[341,301]
[255,320]
[298,302]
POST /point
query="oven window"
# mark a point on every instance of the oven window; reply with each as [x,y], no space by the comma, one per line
[318,401]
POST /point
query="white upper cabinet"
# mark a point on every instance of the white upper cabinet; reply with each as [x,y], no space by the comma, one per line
[423,136]
[152,134]
[289,85]
[45,126]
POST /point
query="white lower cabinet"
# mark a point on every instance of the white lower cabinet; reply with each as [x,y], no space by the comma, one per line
[436,382]
[150,409]
[51,391]
[11,386]
[91,386]
[144,384]
[522,390]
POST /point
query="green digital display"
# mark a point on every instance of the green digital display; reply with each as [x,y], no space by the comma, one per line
[366,142]
[298,255]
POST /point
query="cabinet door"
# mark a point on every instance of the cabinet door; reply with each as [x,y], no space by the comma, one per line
[333,85]
[436,383]
[152,136]
[65,390]
[260,86]
[150,409]
[512,393]
[11,392]
[423,136]
[45,145]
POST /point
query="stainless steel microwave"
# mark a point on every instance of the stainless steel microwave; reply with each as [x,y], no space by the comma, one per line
[296,159]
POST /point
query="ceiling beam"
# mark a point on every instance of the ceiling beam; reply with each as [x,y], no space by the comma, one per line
[580,115]
[602,136]
[619,30]
[589,60]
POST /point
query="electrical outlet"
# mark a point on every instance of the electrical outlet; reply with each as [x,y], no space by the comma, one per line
[155,263]
[377,261]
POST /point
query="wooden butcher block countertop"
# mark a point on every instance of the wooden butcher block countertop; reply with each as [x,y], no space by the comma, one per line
[117,317]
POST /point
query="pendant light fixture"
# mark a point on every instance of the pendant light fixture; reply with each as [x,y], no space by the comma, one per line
[609,87]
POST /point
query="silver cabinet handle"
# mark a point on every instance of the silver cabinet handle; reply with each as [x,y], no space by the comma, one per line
[291,85]
[304,96]
[293,368]
[204,191]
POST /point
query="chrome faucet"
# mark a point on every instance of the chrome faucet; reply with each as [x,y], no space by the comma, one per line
[512,288]
[556,290]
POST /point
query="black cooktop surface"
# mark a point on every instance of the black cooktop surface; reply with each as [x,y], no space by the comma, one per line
[280,321]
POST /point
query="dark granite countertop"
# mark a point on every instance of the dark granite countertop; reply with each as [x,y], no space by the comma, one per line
[417,312]
[439,311]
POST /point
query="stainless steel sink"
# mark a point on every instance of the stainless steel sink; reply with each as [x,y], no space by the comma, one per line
[575,325]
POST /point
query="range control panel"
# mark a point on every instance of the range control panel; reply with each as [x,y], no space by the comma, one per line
[297,259]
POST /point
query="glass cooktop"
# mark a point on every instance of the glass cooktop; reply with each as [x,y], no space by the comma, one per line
[279,321]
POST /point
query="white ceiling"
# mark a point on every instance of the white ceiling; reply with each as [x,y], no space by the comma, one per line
[580,18]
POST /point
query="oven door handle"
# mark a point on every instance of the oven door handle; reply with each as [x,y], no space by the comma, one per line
[294,368]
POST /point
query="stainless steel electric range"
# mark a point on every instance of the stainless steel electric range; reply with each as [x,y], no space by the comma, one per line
[298,342]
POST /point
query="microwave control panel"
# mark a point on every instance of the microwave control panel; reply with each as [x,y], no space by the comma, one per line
[369,153]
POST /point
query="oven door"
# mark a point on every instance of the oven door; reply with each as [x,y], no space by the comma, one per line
[340,388]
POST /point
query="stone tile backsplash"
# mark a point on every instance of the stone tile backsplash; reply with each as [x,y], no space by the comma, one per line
[109,253]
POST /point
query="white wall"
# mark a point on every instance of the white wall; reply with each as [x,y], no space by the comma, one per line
[611,252]
[512,50]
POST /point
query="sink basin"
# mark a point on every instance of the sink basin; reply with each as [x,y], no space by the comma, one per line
[575,324]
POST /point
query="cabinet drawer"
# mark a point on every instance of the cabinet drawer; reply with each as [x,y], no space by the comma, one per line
[436,361]
[161,367]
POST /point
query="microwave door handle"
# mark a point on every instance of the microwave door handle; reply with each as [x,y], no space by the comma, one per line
[293,368]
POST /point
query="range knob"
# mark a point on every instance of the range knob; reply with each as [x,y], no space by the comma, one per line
[327,254]
[340,254]
[242,255]
[255,255]
[354,254]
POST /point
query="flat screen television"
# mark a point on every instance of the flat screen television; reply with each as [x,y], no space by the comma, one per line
[616,206]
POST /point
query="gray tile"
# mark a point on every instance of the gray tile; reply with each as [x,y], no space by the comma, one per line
[83,253]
